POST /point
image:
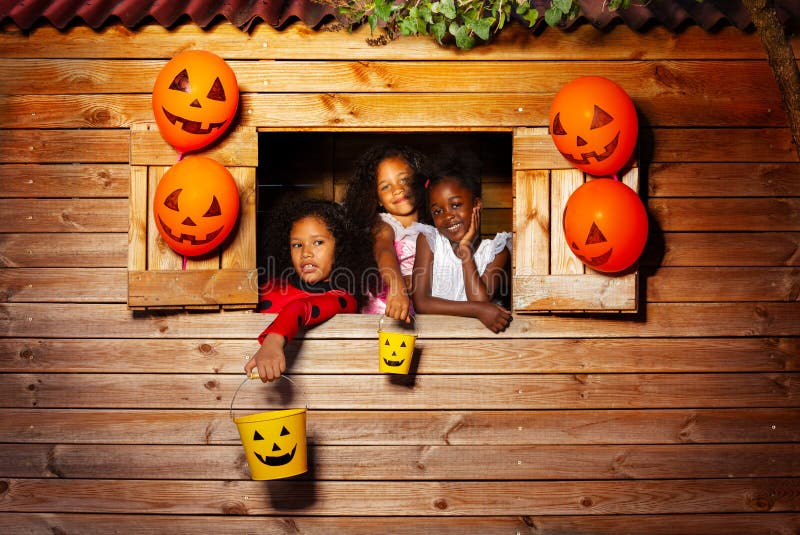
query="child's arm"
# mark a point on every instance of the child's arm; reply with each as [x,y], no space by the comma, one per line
[480,287]
[494,317]
[397,301]
[302,312]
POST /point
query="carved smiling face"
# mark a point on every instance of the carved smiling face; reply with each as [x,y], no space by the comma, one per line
[593,124]
[195,97]
[274,443]
[395,351]
[605,225]
[278,456]
[195,205]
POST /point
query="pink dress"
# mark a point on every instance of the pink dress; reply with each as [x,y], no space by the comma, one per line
[405,247]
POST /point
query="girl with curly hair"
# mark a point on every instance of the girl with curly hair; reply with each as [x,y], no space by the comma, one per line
[315,273]
[382,199]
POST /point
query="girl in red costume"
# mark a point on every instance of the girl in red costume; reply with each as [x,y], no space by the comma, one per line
[313,279]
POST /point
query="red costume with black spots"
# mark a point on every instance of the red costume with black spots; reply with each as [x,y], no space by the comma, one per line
[299,304]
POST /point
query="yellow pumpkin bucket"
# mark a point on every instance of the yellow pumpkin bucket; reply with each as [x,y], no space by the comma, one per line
[396,348]
[274,442]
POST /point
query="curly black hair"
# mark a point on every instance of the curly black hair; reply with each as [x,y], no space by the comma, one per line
[451,164]
[361,197]
[351,258]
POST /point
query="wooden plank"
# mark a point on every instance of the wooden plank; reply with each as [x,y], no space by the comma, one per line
[692,524]
[237,147]
[737,214]
[702,145]
[666,80]
[64,215]
[419,463]
[56,320]
[719,249]
[559,355]
[298,42]
[64,146]
[531,223]
[192,287]
[403,498]
[562,259]
[537,293]
[138,204]
[64,180]
[240,250]
[63,250]
[98,285]
[364,109]
[619,426]
[728,179]
[486,391]
[529,85]
[723,284]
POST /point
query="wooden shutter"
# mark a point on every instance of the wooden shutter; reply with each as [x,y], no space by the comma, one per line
[547,276]
[156,278]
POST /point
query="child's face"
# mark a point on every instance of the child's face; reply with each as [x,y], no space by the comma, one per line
[394,186]
[451,207]
[312,246]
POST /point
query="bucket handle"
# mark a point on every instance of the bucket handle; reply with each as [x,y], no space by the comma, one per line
[254,375]
[413,323]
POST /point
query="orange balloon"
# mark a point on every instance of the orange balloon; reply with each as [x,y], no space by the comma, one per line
[195,97]
[593,124]
[605,225]
[195,205]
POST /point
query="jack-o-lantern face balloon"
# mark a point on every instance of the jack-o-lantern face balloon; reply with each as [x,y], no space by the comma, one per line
[195,97]
[195,205]
[593,124]
[605,225]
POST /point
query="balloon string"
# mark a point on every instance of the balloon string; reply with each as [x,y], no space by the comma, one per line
[180,156]
[184,263]
[616,177]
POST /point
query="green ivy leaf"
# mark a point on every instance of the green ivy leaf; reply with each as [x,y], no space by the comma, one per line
[373,22]
[563,5]
[531,16]
[448,8]
[383,10]
[409,26]
[553,16]
[522,8]
[482,27]
[439,29]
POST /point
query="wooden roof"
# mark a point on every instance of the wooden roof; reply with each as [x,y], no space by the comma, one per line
[673,14]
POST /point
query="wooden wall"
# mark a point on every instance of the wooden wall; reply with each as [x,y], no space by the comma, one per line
[684,418]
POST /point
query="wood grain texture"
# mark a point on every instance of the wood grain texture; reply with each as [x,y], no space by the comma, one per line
[688,524]
[403,498]
[298,42]
[410,427]
[513,356]
[424,392]
[662,320]
[417,463]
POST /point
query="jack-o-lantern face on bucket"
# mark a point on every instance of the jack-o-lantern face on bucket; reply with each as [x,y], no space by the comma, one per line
[593,124]
[393,359]
[279,455]
[195,205]
[605,225]
[195,97]
[274,443]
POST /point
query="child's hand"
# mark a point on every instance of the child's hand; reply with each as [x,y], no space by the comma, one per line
[269,359]
[465,245]
[397,305]
[494,317]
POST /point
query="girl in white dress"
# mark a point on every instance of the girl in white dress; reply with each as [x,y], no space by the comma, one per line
[455,271]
